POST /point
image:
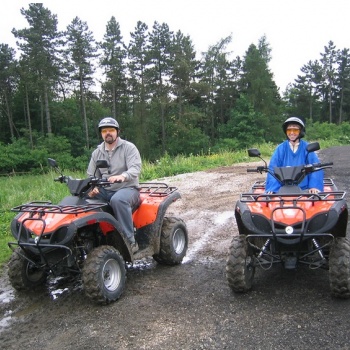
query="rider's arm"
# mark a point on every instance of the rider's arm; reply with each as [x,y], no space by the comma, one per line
[133,163]
[272,185]
[315,179]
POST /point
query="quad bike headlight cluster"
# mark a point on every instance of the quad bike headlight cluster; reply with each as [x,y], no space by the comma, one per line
[289,230]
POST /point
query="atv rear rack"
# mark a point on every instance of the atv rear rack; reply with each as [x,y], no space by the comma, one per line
[49,208]
[156,189]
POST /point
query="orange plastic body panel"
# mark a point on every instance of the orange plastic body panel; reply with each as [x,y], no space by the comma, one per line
[52,221]
[148,210]
[288,213]
[146,214]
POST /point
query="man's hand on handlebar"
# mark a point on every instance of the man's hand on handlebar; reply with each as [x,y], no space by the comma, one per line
[116,178]
[94,192]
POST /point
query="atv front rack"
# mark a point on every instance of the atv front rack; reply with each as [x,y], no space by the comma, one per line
[49,208]
[156,189]
[293,197]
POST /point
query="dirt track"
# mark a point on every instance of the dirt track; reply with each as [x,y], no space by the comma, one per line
[189,306]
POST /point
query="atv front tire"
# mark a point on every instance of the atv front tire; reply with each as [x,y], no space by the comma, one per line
[339,268]
[239,267]
[173,242]
[104,275]
[23,274]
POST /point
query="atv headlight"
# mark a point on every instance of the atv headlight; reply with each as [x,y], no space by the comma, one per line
[289,230]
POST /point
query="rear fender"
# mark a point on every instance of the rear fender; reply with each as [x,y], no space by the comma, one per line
[151,208]
[148,219]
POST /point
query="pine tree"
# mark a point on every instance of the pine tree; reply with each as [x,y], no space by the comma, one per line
[113,61]
[258,86]
[81,51]
[215,63]
[343,84]
[328,61]
[39,44]
[184,66]
[7,84]
[159,73]
[139,88]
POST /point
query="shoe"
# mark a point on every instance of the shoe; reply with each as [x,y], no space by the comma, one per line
[134,247]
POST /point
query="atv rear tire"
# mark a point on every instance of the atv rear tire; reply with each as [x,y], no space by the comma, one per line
[23,274]
[104,275]
[339,268]
[239,268]
[173,242]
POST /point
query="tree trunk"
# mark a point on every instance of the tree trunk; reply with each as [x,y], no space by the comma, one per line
[114,102]
[47,112]
[330,102]
[83,109]
[28,119]
[341,106]
[9,115]
[162,116]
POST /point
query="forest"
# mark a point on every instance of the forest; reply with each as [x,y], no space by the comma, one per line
[55,86]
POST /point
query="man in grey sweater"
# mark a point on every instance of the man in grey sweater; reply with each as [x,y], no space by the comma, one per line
[123,174]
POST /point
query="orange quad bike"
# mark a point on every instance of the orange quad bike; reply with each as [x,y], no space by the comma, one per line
[80,236]
[291,227]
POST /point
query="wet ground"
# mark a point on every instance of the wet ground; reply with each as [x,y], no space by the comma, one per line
[189,306]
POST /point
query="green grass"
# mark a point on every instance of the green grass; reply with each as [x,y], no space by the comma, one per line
[21,189]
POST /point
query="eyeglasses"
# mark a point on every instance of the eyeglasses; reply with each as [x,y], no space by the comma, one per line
[293,130]
[104,131]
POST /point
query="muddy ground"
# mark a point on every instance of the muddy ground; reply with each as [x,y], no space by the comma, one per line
[189,306]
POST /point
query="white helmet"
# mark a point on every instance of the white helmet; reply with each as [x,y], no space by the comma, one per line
[294,120]
[108,122]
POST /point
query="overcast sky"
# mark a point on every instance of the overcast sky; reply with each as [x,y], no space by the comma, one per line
[297,30]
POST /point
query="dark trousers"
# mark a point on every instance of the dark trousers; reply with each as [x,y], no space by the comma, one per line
[123,201]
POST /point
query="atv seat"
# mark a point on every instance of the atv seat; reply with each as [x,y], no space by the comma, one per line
[137,205]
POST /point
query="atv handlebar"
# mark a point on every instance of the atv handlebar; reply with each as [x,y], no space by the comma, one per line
[307,168]
[78,187]
[61,179]
[291,174]
[259,169]
[98,182]
[323,165]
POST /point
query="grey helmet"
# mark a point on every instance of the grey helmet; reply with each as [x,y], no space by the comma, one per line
[294,120]
[108,122]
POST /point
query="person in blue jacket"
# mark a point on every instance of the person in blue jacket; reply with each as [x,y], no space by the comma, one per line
[292,152]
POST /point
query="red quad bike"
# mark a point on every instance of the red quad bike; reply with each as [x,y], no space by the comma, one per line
[291,227]
[80,236]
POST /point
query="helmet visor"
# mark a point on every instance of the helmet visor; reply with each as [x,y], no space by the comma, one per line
[108,130]
[295,131]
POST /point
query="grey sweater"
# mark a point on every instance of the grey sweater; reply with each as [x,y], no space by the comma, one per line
[124,160]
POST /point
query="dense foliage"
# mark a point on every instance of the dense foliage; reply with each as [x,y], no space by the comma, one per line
[56,86]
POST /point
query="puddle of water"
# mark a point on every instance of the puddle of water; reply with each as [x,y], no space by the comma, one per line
[28,310]
[61,286]
[141,265]
[223,217]
[6,321]
[58,292]
[219,219]
[7,296]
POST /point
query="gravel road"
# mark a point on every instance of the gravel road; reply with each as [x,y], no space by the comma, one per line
[189,306]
